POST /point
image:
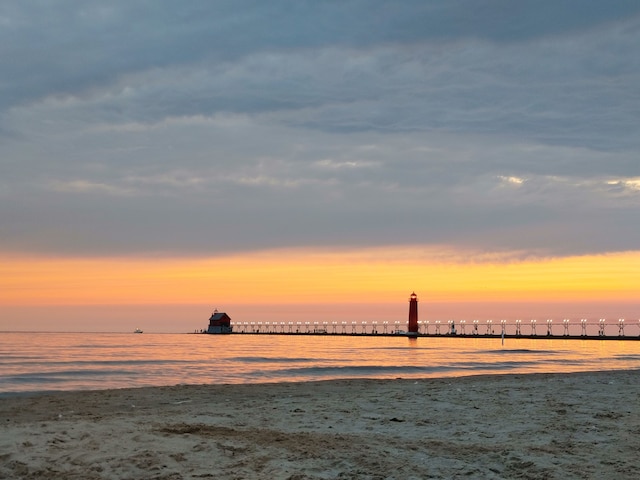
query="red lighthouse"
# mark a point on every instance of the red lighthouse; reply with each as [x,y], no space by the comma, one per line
[413,314]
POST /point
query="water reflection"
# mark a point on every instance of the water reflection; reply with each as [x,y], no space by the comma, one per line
[38,361]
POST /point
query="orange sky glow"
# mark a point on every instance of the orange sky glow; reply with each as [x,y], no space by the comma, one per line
[302,276]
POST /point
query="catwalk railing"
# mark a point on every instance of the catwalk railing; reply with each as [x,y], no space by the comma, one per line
[566,328]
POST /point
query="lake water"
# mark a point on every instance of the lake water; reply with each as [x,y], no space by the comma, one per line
[36,362]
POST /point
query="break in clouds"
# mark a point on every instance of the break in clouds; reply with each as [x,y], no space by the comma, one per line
[208,127]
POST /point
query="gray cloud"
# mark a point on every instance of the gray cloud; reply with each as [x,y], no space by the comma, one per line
[140,127]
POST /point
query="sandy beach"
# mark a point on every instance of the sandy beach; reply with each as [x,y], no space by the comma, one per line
[543,426]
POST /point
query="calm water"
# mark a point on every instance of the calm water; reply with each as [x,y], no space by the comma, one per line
[31,362]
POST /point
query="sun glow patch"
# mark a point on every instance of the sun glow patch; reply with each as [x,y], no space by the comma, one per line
[632,183]
[511,180]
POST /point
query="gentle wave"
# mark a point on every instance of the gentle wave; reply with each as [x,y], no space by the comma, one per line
[520,350]
[273,359]
[32,362]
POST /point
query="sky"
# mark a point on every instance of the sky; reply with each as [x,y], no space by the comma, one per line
[317,160]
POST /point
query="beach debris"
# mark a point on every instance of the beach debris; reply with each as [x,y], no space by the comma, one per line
[230,448]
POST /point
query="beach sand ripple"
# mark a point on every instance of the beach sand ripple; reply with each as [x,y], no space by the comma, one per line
[543,426]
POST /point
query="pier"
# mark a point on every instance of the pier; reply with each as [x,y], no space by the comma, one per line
[565,329]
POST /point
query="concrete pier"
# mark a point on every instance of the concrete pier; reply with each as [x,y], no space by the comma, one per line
[566,329]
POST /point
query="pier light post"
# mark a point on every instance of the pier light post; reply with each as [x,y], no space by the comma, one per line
[518,323]
[503,324]
[353,327]
[489,327]
[549,322]
[334,325]
[533,327]
[426,326]
[344,327]
[437,327]
[315,327]
[449,328]
[601,329]
[397,324]
[290,327]
[621,327]
[583,323]
[384,326]
[374,329]
[298,326]
[419,326]
[566,327]
[475,327]
[364,327]
[462,325]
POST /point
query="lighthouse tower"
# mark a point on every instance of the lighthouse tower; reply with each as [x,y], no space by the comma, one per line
[413,314]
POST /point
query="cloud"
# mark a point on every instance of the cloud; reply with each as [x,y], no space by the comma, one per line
[248,125]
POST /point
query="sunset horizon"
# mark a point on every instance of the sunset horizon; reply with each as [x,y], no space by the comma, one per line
[323,160]
[313,285]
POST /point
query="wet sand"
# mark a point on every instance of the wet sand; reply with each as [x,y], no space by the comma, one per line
[542,426]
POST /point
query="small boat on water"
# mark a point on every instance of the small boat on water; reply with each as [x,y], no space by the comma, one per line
[137,330]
